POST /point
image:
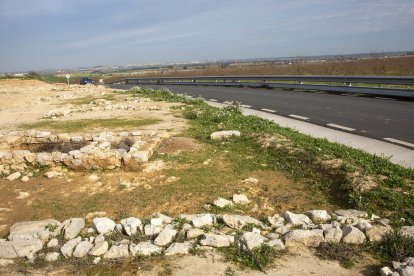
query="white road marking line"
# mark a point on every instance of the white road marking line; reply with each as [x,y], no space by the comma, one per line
[245,105]
[341,127]
[298,117]
[213,100]
[268,110]
[383,98]
[400,142]
[227,102]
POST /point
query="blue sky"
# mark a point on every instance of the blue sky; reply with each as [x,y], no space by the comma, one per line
[41,34]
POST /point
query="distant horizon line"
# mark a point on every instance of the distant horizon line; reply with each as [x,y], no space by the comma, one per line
[211,61]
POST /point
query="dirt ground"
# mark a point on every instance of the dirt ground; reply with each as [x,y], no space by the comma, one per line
[182,176]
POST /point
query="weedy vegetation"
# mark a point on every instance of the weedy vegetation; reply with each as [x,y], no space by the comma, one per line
[344,253]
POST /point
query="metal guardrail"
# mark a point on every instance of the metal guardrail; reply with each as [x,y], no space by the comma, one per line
[343,84]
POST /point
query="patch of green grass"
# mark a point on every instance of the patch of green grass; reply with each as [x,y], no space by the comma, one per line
[89,99]
[51,227]
[53,79]
[394,246]
[78,125]
[344,253]
[256,259]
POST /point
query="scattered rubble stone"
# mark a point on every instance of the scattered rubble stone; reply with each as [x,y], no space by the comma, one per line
[26,239]
[253,240]
[194,233]
[53,243]
[311,238]
[319,215]
[73,227]
[99,248]
[82,249]
[117,252]
[352,235]
[178,248]
[67,248]
[202,220]
[297,219]
[52,174]
[222,202]
[215,240]
[14,176]
[408,231]
[221,135]
[104,225]
[240,199]
[251,181]
[145,249]
[165,236]
[131,225]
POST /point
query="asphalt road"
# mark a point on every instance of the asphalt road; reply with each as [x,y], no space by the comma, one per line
[383,119]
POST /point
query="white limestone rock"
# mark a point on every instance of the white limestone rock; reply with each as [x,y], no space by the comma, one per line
[14,176]
[276,221]
[333,234]
[240,199]
[351,213]
[99,249]
[131,225]
[194,233]
[165,236]
[253,240]
[408,231]
[222,202]
[19,248]
[318,215]
[145,249]
[202,220]
[178,248]
[221,135]
[215,240]
[34,229]
[117,252]
[297,219]
[82,249]
[151,230]
[72,227]
[377,232]
[352,235]
[53,243]
[310,238]
[67,248]
[238,221]
[104,225]
[156,221]
[277,244]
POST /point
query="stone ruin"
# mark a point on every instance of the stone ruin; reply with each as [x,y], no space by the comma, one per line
[100,151]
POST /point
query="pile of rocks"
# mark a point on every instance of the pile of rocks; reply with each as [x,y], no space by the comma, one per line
[102,105]
[405,268]
[97,151]
[161,234]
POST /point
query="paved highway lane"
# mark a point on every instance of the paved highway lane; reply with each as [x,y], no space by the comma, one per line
[382,119]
